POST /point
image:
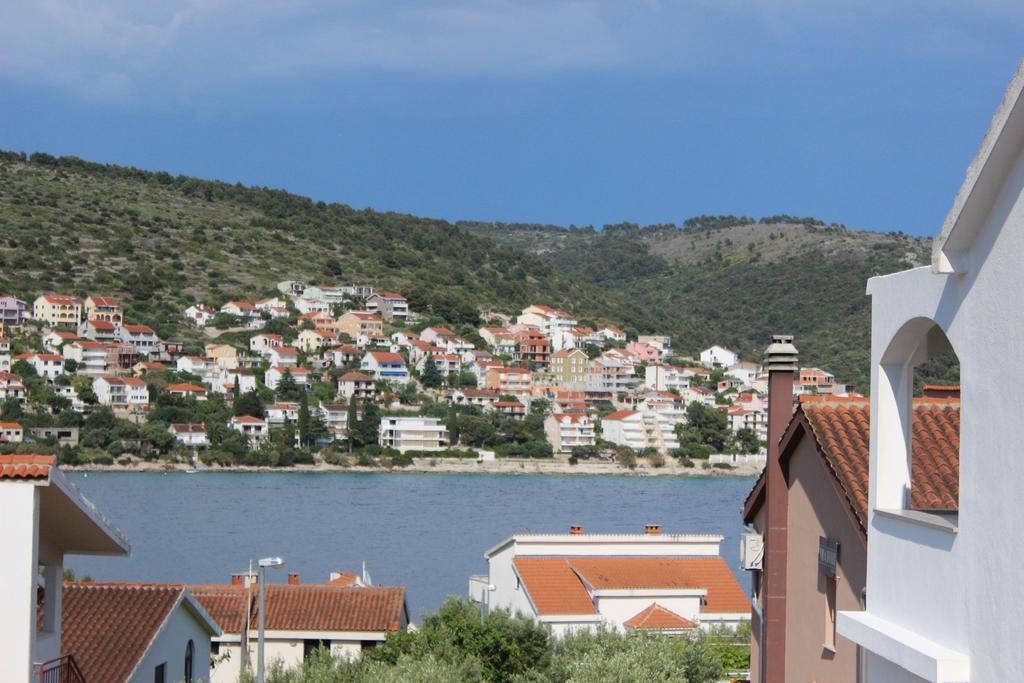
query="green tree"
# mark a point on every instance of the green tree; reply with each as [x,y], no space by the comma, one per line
[247,403]
[352,422]
[288,389]
[476,430]
[452,424]
[705,426]
[369,425]
[303,423]
[431,377]
[747,441]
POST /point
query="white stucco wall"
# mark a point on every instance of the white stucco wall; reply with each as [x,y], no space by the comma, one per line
[169,646]
[228,668]
[19,511]
[958,590]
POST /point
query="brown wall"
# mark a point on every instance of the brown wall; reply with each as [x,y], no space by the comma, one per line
[815,510]
[759,522]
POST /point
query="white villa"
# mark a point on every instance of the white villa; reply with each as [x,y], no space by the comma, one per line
[669,583]
[413,434]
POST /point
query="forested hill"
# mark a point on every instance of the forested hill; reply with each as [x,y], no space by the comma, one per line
[163,242]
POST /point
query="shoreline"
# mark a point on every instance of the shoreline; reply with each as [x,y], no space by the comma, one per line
[451,466]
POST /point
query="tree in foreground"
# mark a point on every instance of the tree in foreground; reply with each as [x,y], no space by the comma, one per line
[455,645]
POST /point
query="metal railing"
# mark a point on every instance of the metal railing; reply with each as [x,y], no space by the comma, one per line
[60,670]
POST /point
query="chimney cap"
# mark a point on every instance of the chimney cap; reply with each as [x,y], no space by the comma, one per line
[576,530]
[652,529]
[781,355]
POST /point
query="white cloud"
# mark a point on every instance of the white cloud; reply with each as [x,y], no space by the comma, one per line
[123,49]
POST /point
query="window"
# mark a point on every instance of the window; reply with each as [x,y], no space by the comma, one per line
[310,647]
[160,673]
[830,612]
[190,651]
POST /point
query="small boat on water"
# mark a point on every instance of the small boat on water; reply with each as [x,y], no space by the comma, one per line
[191,471]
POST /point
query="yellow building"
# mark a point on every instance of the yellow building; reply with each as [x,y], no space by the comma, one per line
[569,366]
[58,310]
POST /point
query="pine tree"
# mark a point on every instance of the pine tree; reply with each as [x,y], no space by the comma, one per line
[352,421]
[369,426]
[288,388]
[304,423]
[431,377]
[452,424]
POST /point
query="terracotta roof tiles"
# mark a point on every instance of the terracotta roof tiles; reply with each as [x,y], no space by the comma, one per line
[659,618]
[109,627]
[26,466]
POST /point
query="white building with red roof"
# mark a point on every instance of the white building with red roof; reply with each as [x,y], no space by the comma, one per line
[127,393]
[200,315]
[11,432]
[639,430]
[254,428]
[103,308]
[242,309]
[91,356]
[142,337]
[45,519]
[191,434]
[385,366]
[669,583]
[98,330]
[46,365]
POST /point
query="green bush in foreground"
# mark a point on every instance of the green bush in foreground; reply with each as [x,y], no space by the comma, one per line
[453,645]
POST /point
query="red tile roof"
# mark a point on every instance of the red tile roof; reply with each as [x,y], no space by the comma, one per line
[657,617]
[185,387]
[62,299]
[188,427]
[619,414]
[109,627]
[386,357]
[103,300]
[139,329]
[308,607]
[841,428]
[247,419]
[355,377]
[26,466]
[344,579]
[102,324]
[556,584]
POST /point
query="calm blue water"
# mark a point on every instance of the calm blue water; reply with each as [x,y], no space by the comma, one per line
[427,532]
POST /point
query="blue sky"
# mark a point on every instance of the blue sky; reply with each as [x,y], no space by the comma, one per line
[863,112]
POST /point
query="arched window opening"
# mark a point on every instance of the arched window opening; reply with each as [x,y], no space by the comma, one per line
[190,651]
[918,422]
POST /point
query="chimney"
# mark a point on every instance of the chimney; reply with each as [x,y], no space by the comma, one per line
[942,391]
[781,362]
[293,578]
[575,530]
[238,579]
[652,529]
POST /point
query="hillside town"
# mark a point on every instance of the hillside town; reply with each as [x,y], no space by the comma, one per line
[317,373]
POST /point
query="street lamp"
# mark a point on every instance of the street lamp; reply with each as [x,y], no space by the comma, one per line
[274,563]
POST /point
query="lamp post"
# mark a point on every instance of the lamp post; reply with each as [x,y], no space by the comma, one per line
[275,563]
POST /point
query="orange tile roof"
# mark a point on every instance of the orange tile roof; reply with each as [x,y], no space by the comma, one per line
[619,414]
[104,300]
[228,605]
[344,579]
[108,627]
[63,299]
[10,425]
[247,419]
[102,324]
[26,466]
[386,357]
[556,584]
[139,329]
[841,427]
[355,377]
[185,386]
[330,608]
[657,617]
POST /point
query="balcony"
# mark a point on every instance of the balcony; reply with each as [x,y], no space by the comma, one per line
[61,670]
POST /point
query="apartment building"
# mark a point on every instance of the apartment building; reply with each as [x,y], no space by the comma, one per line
[413,434]
[12,311]
[58,310]
[640,430]
[567,431]
[389,305]
[103,308]
[508,380]
[126,393]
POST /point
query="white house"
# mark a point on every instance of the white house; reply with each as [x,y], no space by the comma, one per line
[577,581]
[719,357]
[91,356]
[307,304]
[255,428]
[665,378]
[273,376]
[640,430]
[384,365]
[413,434]
[136,632]
[11,432]
[45,518]
[944,592]
[556,325]
[612,333]
[226,381]
[200,315]
[281,412]
[283,356]
[355,384]
[128,393]
[98,330]
[264,341]
[46,365]
[242,309]
[342,615]
[192,435]
[744,372]
[186,390]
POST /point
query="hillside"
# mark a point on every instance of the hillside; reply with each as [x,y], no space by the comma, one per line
[162,242]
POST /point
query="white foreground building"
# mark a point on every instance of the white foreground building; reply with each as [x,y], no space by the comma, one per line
[579,581]
[413,434]
[945,600]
